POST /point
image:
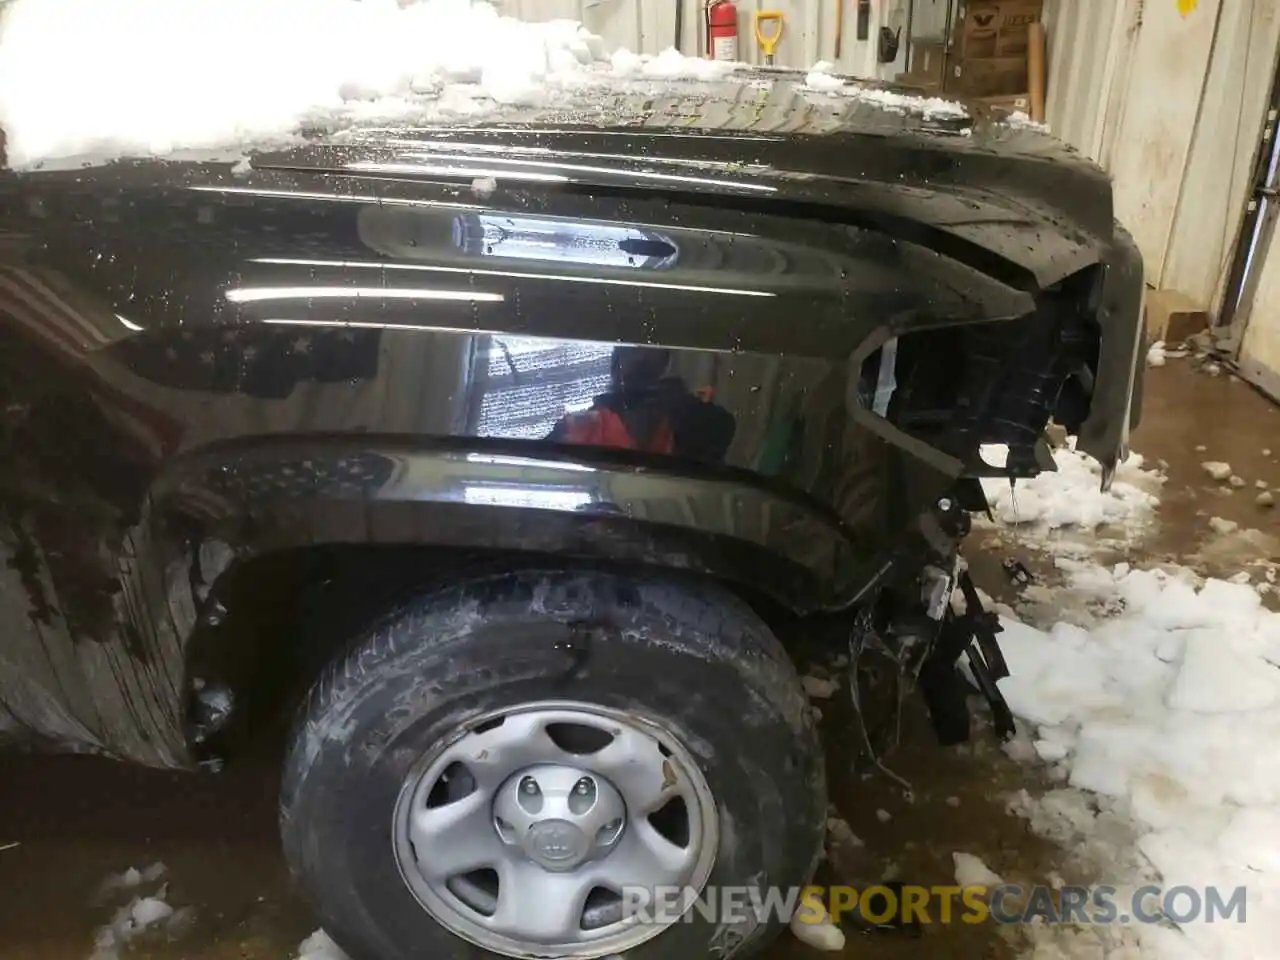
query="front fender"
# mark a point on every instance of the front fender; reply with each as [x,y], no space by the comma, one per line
[1116,406]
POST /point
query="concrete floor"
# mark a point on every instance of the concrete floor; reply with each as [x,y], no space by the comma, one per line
[78,820]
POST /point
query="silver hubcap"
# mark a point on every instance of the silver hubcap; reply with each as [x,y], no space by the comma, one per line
[538,829]
[559,816]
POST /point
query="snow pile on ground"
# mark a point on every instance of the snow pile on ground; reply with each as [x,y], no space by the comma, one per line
[1217,469]
[149,77]
[319,946]
[1073,496]
[130,879]
[1162,720]
[972,872]
[1159,353]
[144,913]
[820,933]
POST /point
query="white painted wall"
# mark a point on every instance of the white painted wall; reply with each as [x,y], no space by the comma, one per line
[1217,180]
[1188,101]
[648,26]
[1157,120]
[1088,60]
[1172,105]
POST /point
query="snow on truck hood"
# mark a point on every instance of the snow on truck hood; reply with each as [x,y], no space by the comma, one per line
[147,78]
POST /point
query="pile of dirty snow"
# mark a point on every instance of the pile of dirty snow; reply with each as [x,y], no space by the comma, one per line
[320,946]
[1161,720]
[1159,353]
[1072,496]
[670,64]
[151,77]
[143,910]
[158,77]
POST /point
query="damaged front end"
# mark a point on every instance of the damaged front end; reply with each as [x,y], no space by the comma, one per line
[984,395]
[639,352]
[940,641]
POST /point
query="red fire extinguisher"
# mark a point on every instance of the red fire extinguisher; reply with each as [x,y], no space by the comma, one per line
[722,30]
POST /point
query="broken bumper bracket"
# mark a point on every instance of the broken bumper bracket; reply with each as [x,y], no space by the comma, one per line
[971,635]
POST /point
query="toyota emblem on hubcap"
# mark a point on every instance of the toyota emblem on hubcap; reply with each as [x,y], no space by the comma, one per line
[557,843]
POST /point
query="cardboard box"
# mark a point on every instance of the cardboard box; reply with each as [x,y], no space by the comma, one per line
[1005,105]
[1173,316]
[987,77]
[928,55]
[924,84]
[996,28]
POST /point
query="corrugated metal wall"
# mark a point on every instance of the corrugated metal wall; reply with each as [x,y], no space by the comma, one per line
[1218,175]
[1157,126]
[1088,61]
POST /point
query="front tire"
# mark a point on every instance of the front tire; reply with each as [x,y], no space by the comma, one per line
[413,727]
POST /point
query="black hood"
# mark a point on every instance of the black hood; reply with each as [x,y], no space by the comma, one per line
[873,156]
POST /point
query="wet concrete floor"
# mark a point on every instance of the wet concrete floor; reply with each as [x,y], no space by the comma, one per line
[78,820]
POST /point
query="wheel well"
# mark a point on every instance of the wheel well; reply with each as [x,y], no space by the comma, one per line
[281,617]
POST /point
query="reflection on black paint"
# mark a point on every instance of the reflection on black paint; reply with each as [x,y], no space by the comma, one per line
[567,241]
[526,383]
[648,410]
[25,562]
[266,362]
[350,476]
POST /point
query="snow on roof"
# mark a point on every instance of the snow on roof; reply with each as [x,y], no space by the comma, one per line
[821,79]
[155,77]
[151,76]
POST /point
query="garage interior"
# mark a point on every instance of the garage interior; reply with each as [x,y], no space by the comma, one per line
[1179,100]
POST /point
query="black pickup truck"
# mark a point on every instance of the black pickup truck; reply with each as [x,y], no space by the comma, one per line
[520,450]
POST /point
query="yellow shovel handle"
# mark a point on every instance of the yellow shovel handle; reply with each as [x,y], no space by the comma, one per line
[768,42]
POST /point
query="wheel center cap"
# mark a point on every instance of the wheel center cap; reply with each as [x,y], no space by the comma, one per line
[558,816]
[556,844]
